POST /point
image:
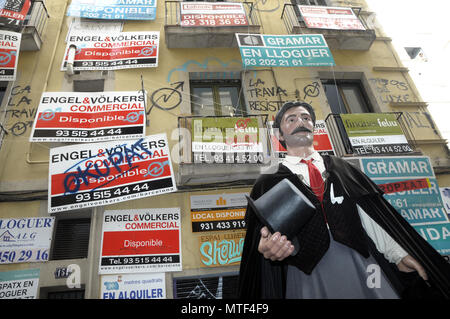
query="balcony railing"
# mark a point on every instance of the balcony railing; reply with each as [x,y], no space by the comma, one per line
[234,162]
[34,26]
[336,39]
[178,36]
[344,148]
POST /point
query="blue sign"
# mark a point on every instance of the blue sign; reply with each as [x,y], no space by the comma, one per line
[437,235]
[284,50]
[423,208]
[114,9]
[417,205]
[397,167]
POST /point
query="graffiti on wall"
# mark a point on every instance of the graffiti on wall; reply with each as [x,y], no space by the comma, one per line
[19,113]
[393,90]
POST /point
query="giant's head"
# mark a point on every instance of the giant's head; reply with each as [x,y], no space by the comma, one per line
[295,122]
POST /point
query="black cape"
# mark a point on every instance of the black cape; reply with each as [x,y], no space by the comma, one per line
[262,278]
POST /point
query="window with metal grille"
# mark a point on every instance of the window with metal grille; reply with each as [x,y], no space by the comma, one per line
[67,294]
[71,238]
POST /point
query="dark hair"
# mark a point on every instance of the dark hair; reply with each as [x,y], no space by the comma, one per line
[289,105]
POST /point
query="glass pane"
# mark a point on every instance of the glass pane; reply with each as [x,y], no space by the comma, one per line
[202,101]
[354,99]
[229,101]
[334,99]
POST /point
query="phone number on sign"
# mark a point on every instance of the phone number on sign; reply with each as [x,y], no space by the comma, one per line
[271,62]
[23,256]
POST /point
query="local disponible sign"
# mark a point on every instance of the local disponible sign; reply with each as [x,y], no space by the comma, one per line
[19,284]
[141,240]
[411,187]
[372,133]
[25,239]
[284,50]
[99,174]
[134,286]
[89,117]
[337,18]
[113,51]
[210,14]
[113,9]
[9,54]
[218,212]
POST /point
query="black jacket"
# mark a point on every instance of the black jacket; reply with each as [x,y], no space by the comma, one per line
[262,278]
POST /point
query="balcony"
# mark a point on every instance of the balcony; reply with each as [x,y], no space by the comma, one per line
[199,166]
[370,137]
[33,27]
[178,36]
[336,39]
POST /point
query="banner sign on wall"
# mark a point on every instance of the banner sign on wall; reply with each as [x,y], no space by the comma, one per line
[226,140]
[113,9]
[9,54]
[88,175]
[13,12]
[25,239]
[114,51]
[284,50]
[212,14]
[414,192]
[89,116]
[141,240]
[218,212]
[221,249]
[19,284]
[134,286]
[337,18]
[375,133]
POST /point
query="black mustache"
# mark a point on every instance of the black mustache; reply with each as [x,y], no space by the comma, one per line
[301,129]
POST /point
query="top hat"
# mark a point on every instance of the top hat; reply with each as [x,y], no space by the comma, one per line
[284,209]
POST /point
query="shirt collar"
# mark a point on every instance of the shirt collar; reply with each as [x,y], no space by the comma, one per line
[315,156]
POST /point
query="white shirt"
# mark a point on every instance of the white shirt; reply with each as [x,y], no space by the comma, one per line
[385,244]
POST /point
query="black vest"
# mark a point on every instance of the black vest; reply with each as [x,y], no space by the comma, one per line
[343,220]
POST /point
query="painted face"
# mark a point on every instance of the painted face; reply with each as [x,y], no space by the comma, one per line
[297,128]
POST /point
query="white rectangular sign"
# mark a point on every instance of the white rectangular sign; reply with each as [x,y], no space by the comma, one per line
[89,116]
[337,18]
[9,54]
[141,240]
[96,174]
[134,286]
[19,284]
[25,239]
[113,51]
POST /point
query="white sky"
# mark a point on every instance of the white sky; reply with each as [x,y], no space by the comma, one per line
[424,24]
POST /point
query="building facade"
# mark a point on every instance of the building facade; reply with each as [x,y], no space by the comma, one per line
[202,80]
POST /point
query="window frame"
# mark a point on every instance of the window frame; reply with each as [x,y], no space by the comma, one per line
[340,85]
[215,85]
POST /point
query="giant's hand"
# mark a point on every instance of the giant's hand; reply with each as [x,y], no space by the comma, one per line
[274,246]
[409,264]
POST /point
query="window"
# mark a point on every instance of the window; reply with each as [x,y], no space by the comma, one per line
[346,96]
[71,238]
[217,98]
[61,292]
